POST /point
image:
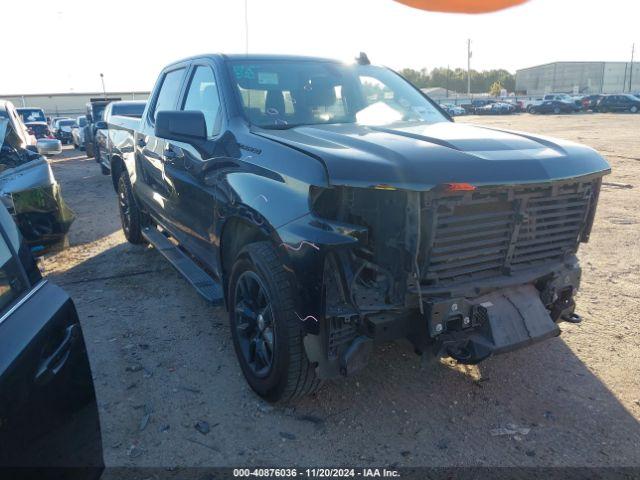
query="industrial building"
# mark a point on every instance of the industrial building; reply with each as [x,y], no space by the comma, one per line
[579,77]
[68,104]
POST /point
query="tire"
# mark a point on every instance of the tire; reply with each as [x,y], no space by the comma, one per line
[284,373]
[556,110]
[89,149]
[633,109]
[104,170]
[131,218]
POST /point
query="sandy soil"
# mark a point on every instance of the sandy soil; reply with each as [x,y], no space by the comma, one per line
[163,360]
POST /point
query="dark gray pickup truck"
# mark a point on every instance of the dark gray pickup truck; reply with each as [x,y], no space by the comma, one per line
[332,207]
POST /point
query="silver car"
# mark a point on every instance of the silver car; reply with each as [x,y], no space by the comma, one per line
[77,132]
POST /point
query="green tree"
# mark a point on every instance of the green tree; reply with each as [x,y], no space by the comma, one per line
[456,79]
[495,89]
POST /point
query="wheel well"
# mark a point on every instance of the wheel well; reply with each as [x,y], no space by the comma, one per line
[236,235]
[117,166]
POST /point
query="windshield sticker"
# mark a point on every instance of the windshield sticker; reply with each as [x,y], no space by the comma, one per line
[244,71]
[267,78]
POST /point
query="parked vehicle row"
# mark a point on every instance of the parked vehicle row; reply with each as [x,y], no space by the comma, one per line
[556,103]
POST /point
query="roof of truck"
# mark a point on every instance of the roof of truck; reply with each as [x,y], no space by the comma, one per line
[257,57]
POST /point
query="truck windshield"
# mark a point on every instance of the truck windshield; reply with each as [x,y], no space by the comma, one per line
[32,115]
[287,93]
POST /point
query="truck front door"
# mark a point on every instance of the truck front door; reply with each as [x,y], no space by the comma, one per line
[193,199]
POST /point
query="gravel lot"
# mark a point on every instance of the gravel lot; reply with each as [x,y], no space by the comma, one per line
[164,363]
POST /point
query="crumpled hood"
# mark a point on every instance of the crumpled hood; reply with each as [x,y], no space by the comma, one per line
[419,157]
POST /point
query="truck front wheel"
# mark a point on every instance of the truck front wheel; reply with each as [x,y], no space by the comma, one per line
[130,215]
[267,332]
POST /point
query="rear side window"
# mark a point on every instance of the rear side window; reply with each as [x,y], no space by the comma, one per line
[168,95]
[203,96]
[11,283]
[128,110]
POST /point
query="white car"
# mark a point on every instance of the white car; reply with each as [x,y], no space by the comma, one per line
[453,110]
[77,132]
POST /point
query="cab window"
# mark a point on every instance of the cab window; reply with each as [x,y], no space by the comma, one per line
[203,96]
[168,94]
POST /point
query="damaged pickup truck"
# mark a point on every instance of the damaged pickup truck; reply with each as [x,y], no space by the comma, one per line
[331,207]
[31,194]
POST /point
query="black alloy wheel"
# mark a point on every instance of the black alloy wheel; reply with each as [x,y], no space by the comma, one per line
[267,331]
[130,215]
[254,323]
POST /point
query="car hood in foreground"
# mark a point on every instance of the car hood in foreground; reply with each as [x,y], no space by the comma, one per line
[419,157]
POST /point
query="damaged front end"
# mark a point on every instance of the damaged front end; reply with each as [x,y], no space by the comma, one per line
[31,194]
[458,270]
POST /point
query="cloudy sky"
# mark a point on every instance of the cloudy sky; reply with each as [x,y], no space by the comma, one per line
[63,45]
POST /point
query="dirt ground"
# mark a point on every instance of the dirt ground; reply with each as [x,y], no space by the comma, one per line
[164,363]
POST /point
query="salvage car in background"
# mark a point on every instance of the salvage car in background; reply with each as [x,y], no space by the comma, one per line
[553,106]
[453,110]
[30,114]
[77,132]
[50,426]
[62,130]
[496,108]
[333,207]
[39,129]
[623,102]
[107,138]
[590,102]
[95,110]
[19,129]
[30,192]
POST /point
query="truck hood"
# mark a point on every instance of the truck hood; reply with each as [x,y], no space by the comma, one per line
[419,157]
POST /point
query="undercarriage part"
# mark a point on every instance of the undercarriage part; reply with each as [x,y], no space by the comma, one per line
[356,357]
[515,318]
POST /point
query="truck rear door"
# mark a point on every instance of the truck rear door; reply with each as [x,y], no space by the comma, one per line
[152,186]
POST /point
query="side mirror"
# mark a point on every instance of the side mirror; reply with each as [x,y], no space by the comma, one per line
[101,125]
[182,126]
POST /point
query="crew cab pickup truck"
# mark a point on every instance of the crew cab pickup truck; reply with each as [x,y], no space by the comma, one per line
[95,110]
[119,118]
[333,206]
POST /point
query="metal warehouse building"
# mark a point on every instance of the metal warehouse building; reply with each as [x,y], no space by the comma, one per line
[579,77]
[71,104]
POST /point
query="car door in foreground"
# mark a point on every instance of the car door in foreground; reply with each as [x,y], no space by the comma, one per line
[49,425]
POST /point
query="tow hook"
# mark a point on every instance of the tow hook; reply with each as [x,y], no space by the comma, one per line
[572,318]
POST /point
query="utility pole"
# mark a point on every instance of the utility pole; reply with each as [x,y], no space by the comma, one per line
[447,89]
[246,26]
[469,68]
[104,91]
[633,47]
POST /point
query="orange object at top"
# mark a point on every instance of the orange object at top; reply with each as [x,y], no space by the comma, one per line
[462,6]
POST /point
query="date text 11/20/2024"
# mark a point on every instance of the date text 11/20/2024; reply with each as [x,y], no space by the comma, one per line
[316,472]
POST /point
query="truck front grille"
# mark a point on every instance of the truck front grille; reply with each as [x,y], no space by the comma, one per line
[498,231]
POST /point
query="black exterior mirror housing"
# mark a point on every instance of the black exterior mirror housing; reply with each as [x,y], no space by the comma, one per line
[101,125]
[182,126]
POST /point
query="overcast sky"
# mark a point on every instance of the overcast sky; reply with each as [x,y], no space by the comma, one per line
[63,45]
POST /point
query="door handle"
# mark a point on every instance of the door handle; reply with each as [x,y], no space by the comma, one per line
[51,365]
